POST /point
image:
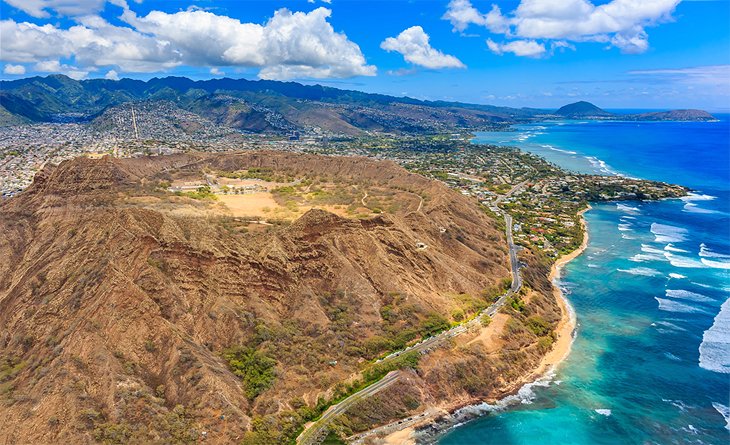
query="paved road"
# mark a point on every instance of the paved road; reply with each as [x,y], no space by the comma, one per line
[511,192]
[317,431]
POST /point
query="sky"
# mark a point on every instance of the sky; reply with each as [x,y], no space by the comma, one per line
[618,54]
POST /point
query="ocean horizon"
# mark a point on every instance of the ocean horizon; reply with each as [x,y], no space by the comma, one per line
[651,360]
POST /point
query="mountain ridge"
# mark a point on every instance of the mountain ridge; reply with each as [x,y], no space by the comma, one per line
[248,105]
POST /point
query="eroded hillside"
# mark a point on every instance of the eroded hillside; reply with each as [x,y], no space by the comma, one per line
[125,316]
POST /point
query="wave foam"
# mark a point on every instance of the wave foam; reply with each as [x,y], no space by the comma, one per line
[670,325]
[697,197]
[642,271]
[681,294]
[691,207]
[676,276]
[628,209]
[684,262]
[716,264]
[603,411]
[718,261]
[558,149]
[671,248]
[676,306]
[724,411]
[664,233]
[600,165]
[525,395]
[715,346]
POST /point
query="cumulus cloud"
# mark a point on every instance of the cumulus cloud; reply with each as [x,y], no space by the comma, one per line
[55,66]
[461,14]
[216,72]
[14,69]
[413,44]
[111,75]
[72,8]
[290,44]
[619,23]
[526,48]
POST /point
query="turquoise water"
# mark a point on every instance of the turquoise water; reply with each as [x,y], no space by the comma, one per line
[651,361]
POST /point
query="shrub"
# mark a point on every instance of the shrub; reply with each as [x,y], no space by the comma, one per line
[255,368]
[485,320]
[457,314]
[538,326]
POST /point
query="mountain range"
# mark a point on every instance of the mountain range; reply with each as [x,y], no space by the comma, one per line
[265,106]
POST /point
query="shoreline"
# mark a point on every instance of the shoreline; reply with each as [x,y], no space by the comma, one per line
[408,434]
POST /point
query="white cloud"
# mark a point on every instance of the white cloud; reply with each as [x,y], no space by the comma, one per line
[290,44]
[111,75]
[216,72]
[413,44]
[717,75]
[14,69]
[461,14]
[620,23]
[55,66]
[72,8]
[93,42]
[526,48]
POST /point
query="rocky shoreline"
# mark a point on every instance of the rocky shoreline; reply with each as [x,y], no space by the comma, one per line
[427,429]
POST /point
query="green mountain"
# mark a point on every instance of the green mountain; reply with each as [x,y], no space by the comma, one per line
[582,109]
[267,106]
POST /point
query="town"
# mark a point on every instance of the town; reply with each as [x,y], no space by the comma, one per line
[543,199]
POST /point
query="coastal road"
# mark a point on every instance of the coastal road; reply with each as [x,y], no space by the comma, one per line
[318,430]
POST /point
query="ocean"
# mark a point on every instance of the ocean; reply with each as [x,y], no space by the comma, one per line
[651,361]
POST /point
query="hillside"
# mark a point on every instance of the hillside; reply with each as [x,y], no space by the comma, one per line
[674,115]
[125,306]
[264,106]
[255,106]
[581,110]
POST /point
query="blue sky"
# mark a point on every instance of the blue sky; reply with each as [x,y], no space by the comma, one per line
[543,53]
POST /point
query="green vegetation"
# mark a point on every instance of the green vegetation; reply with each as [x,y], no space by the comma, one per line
[255,368]
[332,439]
[485,320]
[516,303]
[203,192]
[262,173]
[538,326]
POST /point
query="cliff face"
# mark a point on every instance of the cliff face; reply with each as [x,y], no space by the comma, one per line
[114,316]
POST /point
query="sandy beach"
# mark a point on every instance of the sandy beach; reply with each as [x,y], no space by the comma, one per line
[560,351]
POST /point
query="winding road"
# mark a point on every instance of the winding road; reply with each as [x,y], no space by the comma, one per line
[317,431]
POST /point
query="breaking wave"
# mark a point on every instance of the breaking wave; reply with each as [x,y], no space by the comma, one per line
[683,262]
[627,209]
[715,346]
[724,411]
[718,261]
[558,149]
[676,306]
[671,248]
[664,233]
[643,271]
[687,295]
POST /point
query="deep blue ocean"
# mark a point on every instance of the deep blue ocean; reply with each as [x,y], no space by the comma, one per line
[651,361]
